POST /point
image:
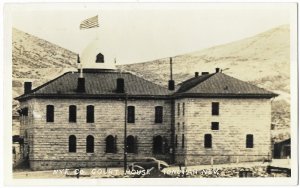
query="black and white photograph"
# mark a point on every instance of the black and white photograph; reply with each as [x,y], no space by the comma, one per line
[157,93]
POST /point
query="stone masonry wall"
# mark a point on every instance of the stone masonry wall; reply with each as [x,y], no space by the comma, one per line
[49,141]
[237,118]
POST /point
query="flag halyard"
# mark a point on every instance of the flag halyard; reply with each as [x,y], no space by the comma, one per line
[90,23]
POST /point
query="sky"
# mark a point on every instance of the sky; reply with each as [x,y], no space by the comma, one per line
[143,32]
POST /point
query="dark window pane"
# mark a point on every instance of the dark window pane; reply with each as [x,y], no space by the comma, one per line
[207,141]
[110,144]
[183,109]
[157,145]
[176,141]
[178,109]
[72,113]
[249,141]
[100,58]
[214,125]
[130,141]
[90,144]
[25,111]
[182,141]
[90,114]
[158,114]
[130,114]
[72,143]
[215,108]
[50,113]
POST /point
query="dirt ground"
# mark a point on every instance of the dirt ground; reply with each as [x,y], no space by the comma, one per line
[258,169]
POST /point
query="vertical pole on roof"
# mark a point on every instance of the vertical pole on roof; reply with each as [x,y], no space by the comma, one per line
[171,69]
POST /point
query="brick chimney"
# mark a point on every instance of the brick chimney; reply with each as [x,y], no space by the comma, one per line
[27,87]
[171,83]
[81,85]
[120,85]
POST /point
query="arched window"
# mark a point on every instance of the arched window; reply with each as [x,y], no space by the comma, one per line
[207,141]
[100,58]
[110,144]
[72,143]
[90,144]
[249,141]
[50,113]
[130,144]
[72,113]
[90,114]
[158,114]
[157,145]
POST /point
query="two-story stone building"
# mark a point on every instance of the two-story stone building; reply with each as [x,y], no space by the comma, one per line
[79,118]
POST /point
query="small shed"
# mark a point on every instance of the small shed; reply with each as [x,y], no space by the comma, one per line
[282,149]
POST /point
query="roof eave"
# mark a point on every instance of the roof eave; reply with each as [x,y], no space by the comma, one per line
[90,96]
[222,95]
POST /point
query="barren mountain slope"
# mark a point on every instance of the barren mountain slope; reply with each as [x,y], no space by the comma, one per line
[260,59]
[37,60]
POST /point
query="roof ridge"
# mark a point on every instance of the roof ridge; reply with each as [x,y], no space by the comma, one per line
[148,81]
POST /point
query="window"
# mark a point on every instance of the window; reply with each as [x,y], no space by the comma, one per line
[178,109]
[214,125]
[157,145]
[158,114]
[50,113]
[215,108]
[90,144]
[183,127]
[25,111]
[130,114]
[249,141]
[72,143]
[207,141]
[90,114]
[99,58]
[183,109]
[182,141]
[176,141]
[130,143]
[110,144]
[178,126]
[72,113]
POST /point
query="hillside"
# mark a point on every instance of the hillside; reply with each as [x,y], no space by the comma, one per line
[258,59]
[262,60]
[37,60]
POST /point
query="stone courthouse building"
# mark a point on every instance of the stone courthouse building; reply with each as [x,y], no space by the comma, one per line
[78,119]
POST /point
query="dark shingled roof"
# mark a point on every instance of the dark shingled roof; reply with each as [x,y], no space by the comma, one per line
[219,84]
[103,85]
[98,84]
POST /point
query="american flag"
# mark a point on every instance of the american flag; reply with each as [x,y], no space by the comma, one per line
[89,23]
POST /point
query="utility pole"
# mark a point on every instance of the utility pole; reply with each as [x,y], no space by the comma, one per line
[125,134]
